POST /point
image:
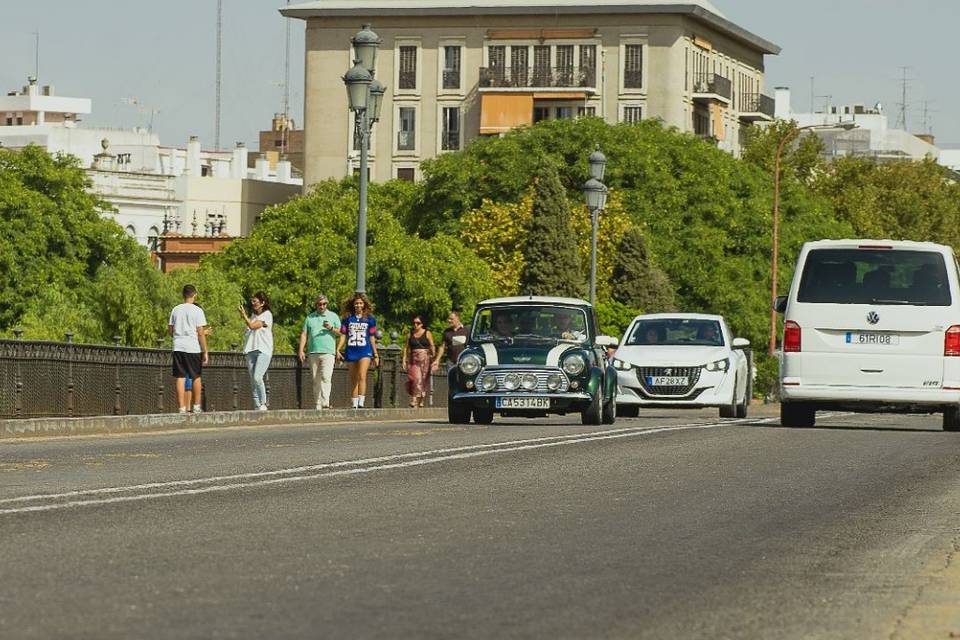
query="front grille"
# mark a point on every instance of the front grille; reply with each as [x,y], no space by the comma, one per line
[691,373]
[541,379]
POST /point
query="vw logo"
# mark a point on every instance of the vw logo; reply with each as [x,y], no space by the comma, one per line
[873,318]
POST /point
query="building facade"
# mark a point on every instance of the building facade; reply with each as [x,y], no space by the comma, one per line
[458,69]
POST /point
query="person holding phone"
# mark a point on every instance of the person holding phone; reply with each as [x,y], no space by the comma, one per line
[318,346]
[258,345]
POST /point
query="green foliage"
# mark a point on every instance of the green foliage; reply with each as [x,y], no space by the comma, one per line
[614,317]
[800,159]
[637,281]
[550,255]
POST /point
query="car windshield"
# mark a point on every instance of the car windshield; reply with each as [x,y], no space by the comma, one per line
[676,332]
[874,276]
[527,322]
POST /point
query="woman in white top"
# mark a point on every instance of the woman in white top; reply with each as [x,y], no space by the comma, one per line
[258,345]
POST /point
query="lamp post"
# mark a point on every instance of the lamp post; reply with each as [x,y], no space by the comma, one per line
[775,240]
[595,194]
[365,97]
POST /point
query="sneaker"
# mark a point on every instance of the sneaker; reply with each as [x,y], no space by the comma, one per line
[183,409]
[197,408]
[262,407]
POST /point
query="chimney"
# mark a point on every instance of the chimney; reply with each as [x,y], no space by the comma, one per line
[193,156]
[781,99]
[284,171]
[238,167]
[261,170]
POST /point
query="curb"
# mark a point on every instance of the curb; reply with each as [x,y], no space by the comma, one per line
[27,427]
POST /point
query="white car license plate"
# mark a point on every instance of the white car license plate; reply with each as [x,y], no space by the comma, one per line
[667,381]
[523,403]
[872,337]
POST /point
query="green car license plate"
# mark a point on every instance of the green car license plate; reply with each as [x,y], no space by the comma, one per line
[523,403]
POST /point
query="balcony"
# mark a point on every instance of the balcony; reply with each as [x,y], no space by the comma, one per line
[451,79]
[407,80]
[756,107]
[538,78]
[710,87]
[450,140]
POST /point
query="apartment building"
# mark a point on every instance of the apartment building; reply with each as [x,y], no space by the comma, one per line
[458,69]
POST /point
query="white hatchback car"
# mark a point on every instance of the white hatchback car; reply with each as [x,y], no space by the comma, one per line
[871,325]
[685,360]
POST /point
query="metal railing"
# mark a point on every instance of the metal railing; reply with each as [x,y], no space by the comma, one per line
[757,103]
[543,77]
[53,379]
[450,140]
[451,79]
[711,83]
[407,79]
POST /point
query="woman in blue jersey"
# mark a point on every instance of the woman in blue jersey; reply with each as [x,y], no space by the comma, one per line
[358,344]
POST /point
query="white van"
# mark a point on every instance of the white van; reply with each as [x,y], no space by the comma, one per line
[871,325]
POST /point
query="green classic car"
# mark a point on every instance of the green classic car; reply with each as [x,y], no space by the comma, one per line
[531,357]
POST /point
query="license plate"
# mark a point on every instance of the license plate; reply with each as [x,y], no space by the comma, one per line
[667,381]
[523,403]
[871,337]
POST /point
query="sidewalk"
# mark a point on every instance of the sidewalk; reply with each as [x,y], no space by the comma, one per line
[31,427]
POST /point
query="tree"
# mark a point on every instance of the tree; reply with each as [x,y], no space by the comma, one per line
[550,256]
[637,282]
[801,158]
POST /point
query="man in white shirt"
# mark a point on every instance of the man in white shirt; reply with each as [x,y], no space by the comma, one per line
[186,325]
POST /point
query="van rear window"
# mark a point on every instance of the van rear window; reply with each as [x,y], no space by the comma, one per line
[875,276]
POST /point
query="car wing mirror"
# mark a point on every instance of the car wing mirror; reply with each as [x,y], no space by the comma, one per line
[780,304]
[740,343]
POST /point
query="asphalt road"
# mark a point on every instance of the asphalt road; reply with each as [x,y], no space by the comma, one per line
[673,525]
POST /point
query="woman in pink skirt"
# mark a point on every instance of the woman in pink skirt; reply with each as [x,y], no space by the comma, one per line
[417,355]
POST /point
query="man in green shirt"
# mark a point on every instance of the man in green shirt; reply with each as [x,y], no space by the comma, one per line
[319,338]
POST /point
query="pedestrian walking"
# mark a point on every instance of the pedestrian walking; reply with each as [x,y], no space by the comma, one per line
[258,345]
[358,344]
[187,326]
[418,351]
[453,343]
[318,346]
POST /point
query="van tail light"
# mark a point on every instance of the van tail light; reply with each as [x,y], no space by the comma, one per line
[951,341]
[791,337]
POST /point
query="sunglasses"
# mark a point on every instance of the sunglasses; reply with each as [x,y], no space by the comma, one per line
[417,322]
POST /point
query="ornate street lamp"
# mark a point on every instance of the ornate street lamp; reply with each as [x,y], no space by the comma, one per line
[595,194]
[365,98]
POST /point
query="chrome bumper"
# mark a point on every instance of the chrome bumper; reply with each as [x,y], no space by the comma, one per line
[477,395]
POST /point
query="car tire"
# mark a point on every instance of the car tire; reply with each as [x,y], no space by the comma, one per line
[744,405]
[628,410]
[483,416]
[797,414]
[730,410]
[457,413]
[610,411]
[593,414]
[951,419]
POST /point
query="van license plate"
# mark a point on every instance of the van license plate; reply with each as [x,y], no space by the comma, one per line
[872,337]
[523,403]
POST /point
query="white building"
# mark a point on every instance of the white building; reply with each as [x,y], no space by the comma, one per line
[873,136]
[152,187]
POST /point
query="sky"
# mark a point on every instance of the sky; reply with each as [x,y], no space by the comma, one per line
[163,55]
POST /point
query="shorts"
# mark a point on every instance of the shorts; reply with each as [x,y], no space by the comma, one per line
[187,365]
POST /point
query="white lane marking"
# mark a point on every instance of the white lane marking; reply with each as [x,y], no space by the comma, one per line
[464,453]
[553,356]
[490,354]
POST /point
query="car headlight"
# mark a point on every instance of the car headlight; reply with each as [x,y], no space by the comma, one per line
[554,380]
[470,363]
[511,381]
[487,382]
[574,364]
[528,382]
[719,365]
[621,365]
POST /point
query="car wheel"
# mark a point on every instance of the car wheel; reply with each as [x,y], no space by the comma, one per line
[742,406]
[483,416]
[797,414]
[457,413]
[730,411]
[593,414]
[951,419]
[610,411]
[628,410]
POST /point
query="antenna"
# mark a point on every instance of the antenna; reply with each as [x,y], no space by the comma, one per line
[36,67]
[216,126]
[904,83]
[927,121]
